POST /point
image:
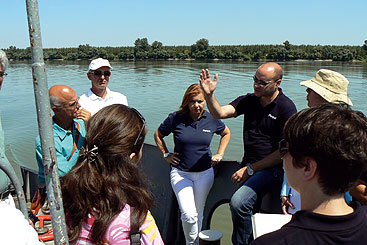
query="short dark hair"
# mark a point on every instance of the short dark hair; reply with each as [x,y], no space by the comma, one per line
[336,137]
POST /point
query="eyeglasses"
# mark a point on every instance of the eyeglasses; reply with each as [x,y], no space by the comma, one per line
[3,74]
[260,82]
[283,148]
[99,73]
[72,105]
[142,128]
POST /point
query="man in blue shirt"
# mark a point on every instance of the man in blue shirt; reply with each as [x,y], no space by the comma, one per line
[69,134]
[265,113]
[69,129]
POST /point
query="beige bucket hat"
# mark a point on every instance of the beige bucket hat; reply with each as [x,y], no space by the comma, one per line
[330,85]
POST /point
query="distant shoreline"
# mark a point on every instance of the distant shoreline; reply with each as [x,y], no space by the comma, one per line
[201,50]
[216,59]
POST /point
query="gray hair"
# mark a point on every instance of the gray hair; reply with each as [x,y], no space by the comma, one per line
[54,101]
[4,62]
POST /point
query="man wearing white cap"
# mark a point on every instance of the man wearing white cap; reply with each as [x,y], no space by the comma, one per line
[326,87]
[99,96]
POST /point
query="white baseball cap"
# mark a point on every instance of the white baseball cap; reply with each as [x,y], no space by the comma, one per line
[98,63]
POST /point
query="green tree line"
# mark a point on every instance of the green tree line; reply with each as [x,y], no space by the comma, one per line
[201,50]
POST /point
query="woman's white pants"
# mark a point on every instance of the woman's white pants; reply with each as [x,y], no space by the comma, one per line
[191,190]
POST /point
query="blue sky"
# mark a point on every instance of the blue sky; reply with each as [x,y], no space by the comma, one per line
[68,23]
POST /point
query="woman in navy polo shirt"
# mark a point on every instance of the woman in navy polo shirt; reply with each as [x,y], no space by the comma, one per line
[192,174]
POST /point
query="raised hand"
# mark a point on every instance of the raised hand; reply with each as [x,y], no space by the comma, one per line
[207,83]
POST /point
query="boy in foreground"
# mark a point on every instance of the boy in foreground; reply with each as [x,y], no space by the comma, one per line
[324,153]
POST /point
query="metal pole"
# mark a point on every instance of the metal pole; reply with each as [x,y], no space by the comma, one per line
[18,187]
[45,125]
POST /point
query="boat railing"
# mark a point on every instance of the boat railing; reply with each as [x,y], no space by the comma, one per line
[8,169]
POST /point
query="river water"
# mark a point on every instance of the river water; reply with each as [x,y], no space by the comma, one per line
[156,88]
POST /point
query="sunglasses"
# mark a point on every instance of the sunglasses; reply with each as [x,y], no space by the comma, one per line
[3,74]
[260,82]
[283,148]
[142,128]
[99,73]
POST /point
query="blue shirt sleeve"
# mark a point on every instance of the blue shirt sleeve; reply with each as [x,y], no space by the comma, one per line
[237,104]
[285,188]
[63,165]
[220,126]
[167,125]
[41,171]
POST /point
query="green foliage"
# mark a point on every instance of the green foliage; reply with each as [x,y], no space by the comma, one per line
[141,48]
[200,50]
[287,45]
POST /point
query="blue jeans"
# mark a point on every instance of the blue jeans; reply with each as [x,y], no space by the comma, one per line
[243,200]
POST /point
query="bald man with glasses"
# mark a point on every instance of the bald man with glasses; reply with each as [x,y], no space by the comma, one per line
[69,131]
[265,112]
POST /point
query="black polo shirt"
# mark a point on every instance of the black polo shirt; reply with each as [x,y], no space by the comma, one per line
[364,176]
[307,228]
[192,139]
[262,126]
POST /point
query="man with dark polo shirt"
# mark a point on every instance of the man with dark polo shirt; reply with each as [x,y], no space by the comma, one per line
[324,152]
[265,113]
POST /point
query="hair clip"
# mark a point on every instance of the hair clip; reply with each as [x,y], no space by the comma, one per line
[90,154]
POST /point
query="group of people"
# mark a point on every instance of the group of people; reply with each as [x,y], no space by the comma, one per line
[319,154]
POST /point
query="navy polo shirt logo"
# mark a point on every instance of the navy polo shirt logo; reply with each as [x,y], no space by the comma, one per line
[272,117]
[206,130]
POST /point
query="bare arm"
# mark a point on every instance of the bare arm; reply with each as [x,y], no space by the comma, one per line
[225,137]
[172,158]
[209,85]
[269,161]
[359,192]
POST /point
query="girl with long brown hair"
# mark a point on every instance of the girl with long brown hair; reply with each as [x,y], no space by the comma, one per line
[105,188]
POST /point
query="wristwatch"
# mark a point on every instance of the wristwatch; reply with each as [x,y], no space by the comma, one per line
[250,171]
[166,154]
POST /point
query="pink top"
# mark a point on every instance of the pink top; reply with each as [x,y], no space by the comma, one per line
[118,232]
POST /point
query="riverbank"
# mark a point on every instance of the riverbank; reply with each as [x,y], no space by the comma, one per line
[201,50]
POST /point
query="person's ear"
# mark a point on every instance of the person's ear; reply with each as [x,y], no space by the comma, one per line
[54,109]
[89,75]
[277,83]
[310,168]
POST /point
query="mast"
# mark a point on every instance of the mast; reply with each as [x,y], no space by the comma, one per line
[45,125]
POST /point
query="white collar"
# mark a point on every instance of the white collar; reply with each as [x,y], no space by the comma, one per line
[93,96]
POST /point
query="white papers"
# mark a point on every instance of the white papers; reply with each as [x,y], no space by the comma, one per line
[265,223]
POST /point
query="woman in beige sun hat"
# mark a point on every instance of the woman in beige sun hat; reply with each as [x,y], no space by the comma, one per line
[327,86]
